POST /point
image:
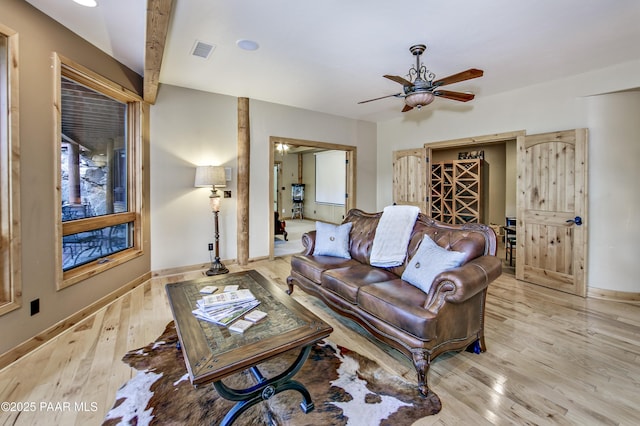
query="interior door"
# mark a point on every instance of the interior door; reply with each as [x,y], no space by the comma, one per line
[552,210]
[410,178]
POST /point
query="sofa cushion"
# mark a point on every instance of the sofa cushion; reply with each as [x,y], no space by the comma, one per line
[332,240]
[312,267]
[362,234]
[347,281]
[428,262]
[399,304]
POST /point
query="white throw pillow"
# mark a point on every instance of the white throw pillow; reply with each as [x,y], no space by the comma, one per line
[430,259]
[332,240]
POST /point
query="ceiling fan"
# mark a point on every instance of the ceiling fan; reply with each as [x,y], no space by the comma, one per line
[421,89]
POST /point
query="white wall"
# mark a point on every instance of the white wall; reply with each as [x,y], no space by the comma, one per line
[556,105]
[190,128]
[614,235]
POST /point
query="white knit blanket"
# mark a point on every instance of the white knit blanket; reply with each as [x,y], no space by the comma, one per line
[392,235]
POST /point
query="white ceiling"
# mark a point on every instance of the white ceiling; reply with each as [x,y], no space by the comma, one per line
[328,55]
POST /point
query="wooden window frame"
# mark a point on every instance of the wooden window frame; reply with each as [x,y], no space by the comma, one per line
[66,68]
[10,262]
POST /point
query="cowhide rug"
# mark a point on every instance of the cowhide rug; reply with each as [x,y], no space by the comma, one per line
[346,387]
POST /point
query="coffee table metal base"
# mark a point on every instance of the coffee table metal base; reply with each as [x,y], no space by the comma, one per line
[265,389]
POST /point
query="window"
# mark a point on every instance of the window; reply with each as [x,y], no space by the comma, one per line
[99,192]
[9,169]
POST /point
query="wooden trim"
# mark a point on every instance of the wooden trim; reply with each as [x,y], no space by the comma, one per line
[259,258]
[90,224]
[303,142]
[244,163]
[84,75]
[182,270]
[10,228]
[272,222]
[189,268]
[81,273]
[57,166]
[65,324]
[614,295]
[476,140]
[582,210]
[521,165]
[136,129]
[352,158]
[158,17]
[202,267]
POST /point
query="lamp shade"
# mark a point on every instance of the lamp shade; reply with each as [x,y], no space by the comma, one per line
[210,176]
[419,99]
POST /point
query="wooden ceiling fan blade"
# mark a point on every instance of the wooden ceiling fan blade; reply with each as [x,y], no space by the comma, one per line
[456,96]
[398,79]
[407,108]
[461,76]
[381,97]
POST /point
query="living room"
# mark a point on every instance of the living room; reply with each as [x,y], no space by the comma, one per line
[189,128]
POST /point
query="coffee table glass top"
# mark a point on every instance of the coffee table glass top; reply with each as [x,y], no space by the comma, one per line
[212,351]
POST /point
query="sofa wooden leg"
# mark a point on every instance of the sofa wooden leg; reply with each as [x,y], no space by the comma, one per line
[290,285]
[483,346]
[422,362]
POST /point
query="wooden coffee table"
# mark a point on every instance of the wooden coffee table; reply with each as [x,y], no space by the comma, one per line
[212,352]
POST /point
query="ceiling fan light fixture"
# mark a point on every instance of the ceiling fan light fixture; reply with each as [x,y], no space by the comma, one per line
[420,87]
[419,99]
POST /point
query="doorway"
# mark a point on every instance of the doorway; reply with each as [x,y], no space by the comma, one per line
[292,162]
[499,193]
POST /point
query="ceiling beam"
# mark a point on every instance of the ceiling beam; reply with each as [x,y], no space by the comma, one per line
[158,17]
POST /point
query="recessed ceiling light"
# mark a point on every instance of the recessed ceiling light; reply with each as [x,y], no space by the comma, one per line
[247,44]
[87,3]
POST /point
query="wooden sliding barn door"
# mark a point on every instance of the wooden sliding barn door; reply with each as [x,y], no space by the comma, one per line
[552,210]
[410,178]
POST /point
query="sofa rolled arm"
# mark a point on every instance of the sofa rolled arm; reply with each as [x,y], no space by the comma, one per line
[460,284]
[308,242]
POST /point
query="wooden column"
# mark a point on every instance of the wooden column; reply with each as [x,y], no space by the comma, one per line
[244,150]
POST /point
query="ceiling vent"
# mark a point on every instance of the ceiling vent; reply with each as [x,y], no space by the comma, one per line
[202,49]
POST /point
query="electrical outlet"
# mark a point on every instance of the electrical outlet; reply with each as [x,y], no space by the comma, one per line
[35,306]
[210,246]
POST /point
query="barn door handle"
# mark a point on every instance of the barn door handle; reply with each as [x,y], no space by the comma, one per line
[576,220]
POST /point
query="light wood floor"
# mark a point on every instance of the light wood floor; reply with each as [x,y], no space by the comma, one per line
[552,359]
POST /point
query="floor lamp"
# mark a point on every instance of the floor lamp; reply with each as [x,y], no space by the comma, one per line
[213,176]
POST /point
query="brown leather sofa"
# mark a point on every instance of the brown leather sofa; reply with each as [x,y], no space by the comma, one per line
[450,317]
